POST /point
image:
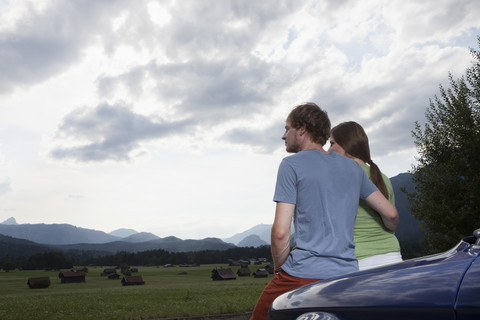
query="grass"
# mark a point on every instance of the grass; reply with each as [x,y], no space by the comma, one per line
[166,294]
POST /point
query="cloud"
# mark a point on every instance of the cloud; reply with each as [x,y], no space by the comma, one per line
[242,62]
[238,61]
[212,91]
[45,41]
[262,140]
[423,22]
[387,94]
[111,132]
[5,186]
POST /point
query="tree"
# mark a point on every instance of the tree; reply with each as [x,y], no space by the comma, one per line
[447,178]
[47,260]
[8,265]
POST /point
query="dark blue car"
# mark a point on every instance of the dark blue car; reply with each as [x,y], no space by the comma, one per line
[441,286]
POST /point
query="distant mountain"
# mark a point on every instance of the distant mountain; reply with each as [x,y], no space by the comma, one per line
[171,239]
[171,244]
[123,233]
[64,237]
[140,237]
[55,233]
[252,241]
[260,230]
[15,248]
[408,228]
[10,221]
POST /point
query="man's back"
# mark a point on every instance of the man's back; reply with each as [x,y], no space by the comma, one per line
[325,189]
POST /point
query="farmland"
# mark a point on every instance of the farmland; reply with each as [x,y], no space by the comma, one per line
[167,293]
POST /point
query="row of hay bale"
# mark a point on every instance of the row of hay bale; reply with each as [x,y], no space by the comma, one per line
[220,273]
[77,277]
[127,280]
[111,273]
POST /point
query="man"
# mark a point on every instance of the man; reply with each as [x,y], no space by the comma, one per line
[320,191]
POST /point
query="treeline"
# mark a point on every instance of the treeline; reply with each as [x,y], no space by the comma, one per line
[65,260]
[163,257]
[58,260]
[46,261]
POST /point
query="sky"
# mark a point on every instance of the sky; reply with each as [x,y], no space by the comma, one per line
[167,116]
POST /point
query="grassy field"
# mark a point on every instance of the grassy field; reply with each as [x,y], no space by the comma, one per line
[167,293]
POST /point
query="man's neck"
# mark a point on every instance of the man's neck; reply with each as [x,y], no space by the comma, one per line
[313,145]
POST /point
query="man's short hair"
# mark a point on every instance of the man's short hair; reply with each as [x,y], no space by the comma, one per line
[314,119]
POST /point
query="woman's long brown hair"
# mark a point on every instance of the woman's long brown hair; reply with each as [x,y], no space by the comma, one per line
[353,139]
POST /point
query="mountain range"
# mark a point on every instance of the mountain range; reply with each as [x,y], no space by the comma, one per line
[37,237]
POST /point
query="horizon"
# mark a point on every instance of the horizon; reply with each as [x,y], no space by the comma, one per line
[124,229]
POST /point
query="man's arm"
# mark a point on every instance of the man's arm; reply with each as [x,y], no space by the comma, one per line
[387,211]
[280,237]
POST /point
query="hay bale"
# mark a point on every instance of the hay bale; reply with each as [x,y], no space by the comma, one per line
[132,280]
[38,283]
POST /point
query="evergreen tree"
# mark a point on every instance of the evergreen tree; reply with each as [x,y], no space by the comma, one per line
[447,178]
[47,260]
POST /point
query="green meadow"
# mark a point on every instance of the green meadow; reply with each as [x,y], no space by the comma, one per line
[167,293]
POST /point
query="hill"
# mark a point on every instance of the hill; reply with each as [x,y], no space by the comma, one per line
[262,231]
[252,241]
[10,220]
[15,248]
[140,237]
[171,244]
[55,233]
[123,233]
[26,239]
[408,227]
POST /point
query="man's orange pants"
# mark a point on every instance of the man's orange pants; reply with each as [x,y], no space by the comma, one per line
[281,283]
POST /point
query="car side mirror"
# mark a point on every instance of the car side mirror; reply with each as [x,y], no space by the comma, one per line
[476,234]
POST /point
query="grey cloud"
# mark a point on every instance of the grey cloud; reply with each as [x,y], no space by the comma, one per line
[263,140]
[440,21]
[45,43]
[229,90]
[133,81]
[212,74]
[214,93]
[111,132]
[209,91]
[205,27]
[406,86]
[389,130]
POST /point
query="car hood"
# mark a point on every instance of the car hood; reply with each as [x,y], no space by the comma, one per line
[431,280]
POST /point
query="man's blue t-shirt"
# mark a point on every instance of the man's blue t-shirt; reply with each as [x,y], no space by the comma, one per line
[325,188]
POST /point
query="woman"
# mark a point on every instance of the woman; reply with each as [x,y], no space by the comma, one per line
[375,245]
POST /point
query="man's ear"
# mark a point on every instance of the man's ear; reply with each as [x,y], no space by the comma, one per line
[302,130]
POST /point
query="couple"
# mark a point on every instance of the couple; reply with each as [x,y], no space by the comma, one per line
[320,191]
